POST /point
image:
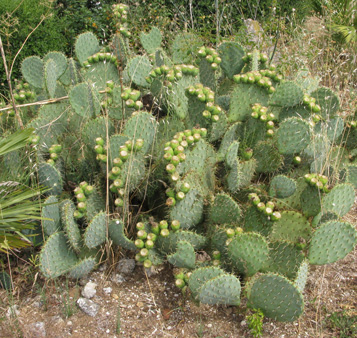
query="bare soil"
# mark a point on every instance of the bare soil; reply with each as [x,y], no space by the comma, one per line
[154,307]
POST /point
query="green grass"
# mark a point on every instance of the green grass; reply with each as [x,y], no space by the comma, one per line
[344,324]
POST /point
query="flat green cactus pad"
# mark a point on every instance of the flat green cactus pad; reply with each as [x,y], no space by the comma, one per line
[207,74]
[70,226]
[332,241]
[60,61]
[310,200]
[284,258]
[242,97]
[56,258]
[224,210]
[138,69]
[142,125]
[51,178]
[327,100]
[256,221]
[277,297]
[201,276]
[51,77]
[268,157]
[231,155]
[96,231]
[352,175]
[287,94]
[184,257]
[51,211]
[152,40]
[293,202]
[291,226]
[224,289]
[339,200]
[301,276]
[83,268]
[231,54]
[96,128]
[118,236]
[33,71]
[99,73]
[86,45]
[293,135]
[168,244]
[229,137]
[184,48]
[84,100]
[233,177]
[248,253]
[282,186]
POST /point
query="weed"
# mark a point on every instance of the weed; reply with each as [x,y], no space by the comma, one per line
[255,323]
[345,324]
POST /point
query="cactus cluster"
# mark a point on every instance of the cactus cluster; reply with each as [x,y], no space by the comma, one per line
[229,158]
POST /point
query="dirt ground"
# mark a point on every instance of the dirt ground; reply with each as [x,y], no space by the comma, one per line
[154,307]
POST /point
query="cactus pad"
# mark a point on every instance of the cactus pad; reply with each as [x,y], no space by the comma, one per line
[327,100]
[86,45]
[84,100]
[332,241]
[51,178]
[117,235]
[51,210]
[287,94]
[82,268]
[33,71]
[184,257]
[293,136]
[224,210]
[152,40]
[339,200]
[231,54]
[282,187]
[56,258]
[291,226]
[96,231]
[277,297]
[138,69]
[224,289]
[248,253]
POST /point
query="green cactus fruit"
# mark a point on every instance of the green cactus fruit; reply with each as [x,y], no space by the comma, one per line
[248,253]
[276,297]
[50,214]
[291,227]
[117,235]
[184,257]
[55,257]
[331,241]
[282,187]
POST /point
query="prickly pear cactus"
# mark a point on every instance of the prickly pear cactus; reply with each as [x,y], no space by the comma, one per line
[205,150]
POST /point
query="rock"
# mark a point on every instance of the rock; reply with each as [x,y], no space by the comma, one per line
[118,278]
[254,30]
[89,290]
[126,266]
[243,323]
[12,311]
[35,330]
[88,306]
[107,290]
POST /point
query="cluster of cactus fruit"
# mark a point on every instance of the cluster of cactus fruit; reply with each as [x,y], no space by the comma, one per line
[230,160]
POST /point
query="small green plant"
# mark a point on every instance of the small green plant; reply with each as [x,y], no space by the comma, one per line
[343,323]
[255,323]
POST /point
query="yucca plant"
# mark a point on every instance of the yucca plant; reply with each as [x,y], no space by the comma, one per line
[19,208]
